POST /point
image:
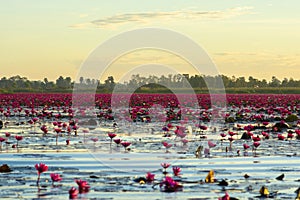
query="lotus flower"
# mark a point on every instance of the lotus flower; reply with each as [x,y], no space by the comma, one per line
[169,185]
[55,178]
[176,171]
[125,144]
[167,145]
[73,192]
[83,186]
[150,177]
[41,168]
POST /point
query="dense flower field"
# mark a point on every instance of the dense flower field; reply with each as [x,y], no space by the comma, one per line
[182,137]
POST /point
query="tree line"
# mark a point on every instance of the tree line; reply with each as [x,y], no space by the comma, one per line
[152,82]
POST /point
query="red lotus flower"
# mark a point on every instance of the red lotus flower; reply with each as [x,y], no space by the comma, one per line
[256,144]
[73,192]
[150,177]
[117,141]
[231,133]
[265,123]
[44,129]
[211,144]
[176,171]
[246,146]
[184,141]
[55,177]
[249,134]
[7,134]
[111,135]
[165,165]
[41,168]
[202,127]
[223,135]
[125,144]
[290,135]
[225,197]
[57,130]
[85,131]
[169,125]
[83,186]
[19,137]
[169,185]
[280,137]
[166,129]
[167,145]
[2,139]
[94,139]
[266,135]
[256,139]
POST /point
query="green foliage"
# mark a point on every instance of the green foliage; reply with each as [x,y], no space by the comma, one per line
[180,83]
[229,120]
[291,118]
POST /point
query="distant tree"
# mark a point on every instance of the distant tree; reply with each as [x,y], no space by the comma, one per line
[81,79]
[275,82]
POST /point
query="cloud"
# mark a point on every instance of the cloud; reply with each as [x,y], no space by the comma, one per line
[148,17]
[258,58]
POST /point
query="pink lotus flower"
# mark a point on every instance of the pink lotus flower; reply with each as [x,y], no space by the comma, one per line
[176,171]
[85,131]
[40,169]
[225,197]
[7,134]
[83,186]
[165,165]
[55,177]
[169,185]
[150,177]
[223,135]
[211,144]
[73,192]
[94,139]
[167,145]
[184,141]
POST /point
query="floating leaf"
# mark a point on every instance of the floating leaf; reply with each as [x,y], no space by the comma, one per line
[5,168]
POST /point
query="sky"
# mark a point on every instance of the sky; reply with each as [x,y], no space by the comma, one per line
[51,38]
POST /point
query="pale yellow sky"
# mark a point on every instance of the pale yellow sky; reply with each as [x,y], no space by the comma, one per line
[48,39]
